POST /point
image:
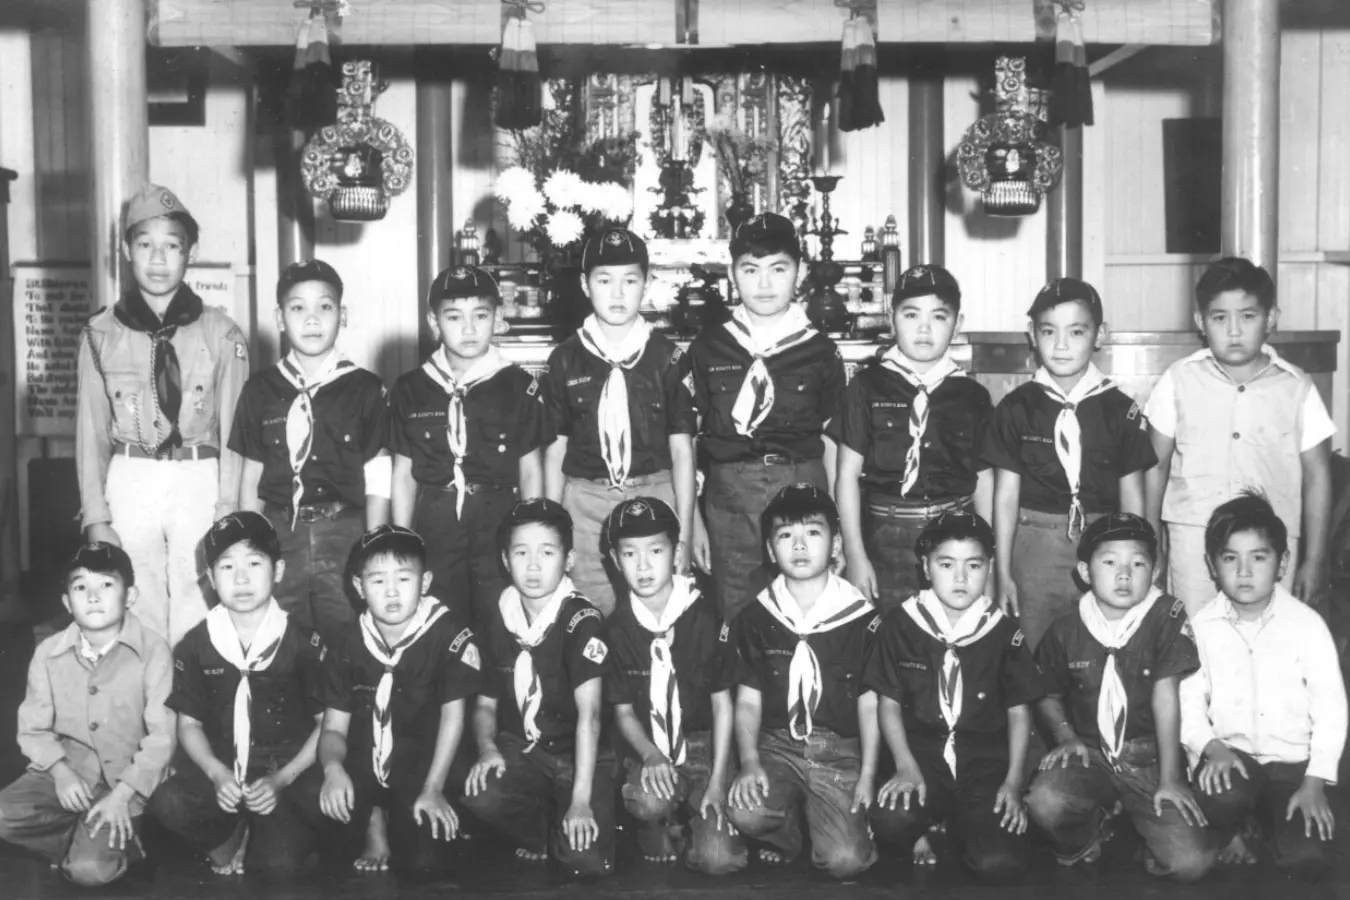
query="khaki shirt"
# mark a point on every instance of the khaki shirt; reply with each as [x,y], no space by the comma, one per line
[117,402]
[108,721]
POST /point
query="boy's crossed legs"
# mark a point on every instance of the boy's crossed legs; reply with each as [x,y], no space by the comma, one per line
[32,817]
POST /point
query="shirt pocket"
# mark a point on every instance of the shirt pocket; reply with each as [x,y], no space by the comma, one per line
[796,400]
[890,438]
[493,429]
[920,690]
[583,402]
[723,389]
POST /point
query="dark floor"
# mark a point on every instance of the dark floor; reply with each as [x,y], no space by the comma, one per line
[489,870]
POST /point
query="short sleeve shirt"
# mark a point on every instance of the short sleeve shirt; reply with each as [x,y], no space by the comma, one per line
[287,695]
[658,405]
[505,418]
[575,649]
[351,424]
[703,654]
[766,649]
[1021,439]
[998,672]
[874,423]
[808,387]
[443,665]
[1073,662]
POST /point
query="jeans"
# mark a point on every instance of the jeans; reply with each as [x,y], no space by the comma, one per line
[462,554]
[32,817]
[966,804]
[815,777]
[1070,805]
[735,497]
[711,850]
[1044,560]
[891,524]
[314,586]
[518,803]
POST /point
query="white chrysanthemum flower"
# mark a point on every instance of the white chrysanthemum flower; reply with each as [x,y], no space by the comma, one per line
[521,212]
[563,227]
[514,184]
[565,189]
[611,200]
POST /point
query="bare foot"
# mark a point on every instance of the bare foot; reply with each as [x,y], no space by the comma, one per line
[228,858]
[375,856]
[660,841]
[772,857]
[923,852]
[1237,853]
[530,855]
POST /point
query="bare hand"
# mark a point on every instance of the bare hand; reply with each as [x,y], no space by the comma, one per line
[863,794]
[261,796]
[1007,595]
[906,783]
[439,813]
[71,790]
[489,762]
[1180,796]
[1216,775]
[580,826]
[1311,800]
[1009,801]
[659,777]
[700,548]
[1309,581]
[682,558]
[714,804]
[750,789]
[337,796]
[860,573]
[112,811]
[228,792]
[1066,750]
[102,532]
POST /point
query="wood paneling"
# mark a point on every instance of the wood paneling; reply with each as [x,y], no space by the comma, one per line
[607,22]
[186,23]
[61,145]
[1000,21]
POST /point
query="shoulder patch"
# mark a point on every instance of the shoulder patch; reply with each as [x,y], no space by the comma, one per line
[873,625]
[1018,638]
[178,665]
[1177,609]
[1134,412]
[676,353]
[534,387]
[581,616]
[1188,631]
[239,351]
[471,657]
[595,651]
[724,634]
[315,640]
[460,639]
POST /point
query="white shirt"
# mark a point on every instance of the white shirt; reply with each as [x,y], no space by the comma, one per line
[1271,689]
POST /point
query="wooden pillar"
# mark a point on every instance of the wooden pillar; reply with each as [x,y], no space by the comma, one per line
[12,601]
[295,207]
[435,150]
[1251,130]
[119,130]
[927,164]
[1064,211]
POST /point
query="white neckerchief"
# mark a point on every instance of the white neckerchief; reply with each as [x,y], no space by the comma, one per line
[427,613]
[300,416]
[438,370]
[616,441]
[664,691]
[755,400]
[225,638]
[1069,433]
[839,604]
[927,383]
[977,621]
[529,635]
[1113,706]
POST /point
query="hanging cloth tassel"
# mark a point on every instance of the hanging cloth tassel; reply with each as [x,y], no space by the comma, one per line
[859,103]
[1071,85]
[314,83]
[518,84]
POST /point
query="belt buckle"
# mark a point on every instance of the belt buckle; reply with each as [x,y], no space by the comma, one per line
[311,513]
[776,459]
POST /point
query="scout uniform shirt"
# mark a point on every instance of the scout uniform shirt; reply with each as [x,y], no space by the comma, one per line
[286,696]
[351,419]
[1073,662]
[1115,443]
[441,666]
[572,652]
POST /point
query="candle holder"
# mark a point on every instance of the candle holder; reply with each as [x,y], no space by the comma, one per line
[828,227]
[677,216]
[826,308]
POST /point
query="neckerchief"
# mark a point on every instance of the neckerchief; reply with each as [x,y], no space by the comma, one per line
[616,441]
[529,635]
[664,691]
[755,400]
[1113,706]
[259,655]
[839,604]
[300,415]
[977,621]
[428,612]
[438,370]
[1069,433]
[926,383]
[184,308]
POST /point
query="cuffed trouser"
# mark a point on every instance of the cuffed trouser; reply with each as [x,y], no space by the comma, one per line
[161,510]
[313,589]
[1188,577]
[1044,560]
[462,553]
[32,817]
[891,524]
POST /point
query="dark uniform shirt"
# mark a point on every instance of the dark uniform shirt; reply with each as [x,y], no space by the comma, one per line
[658,405]
[998,672]
[505,418]
[574,650]
[766,649]
[287,695]
[808,382]
[442,666]
[874,422]
[351,422]
[702,652]
[1073,660]
[1021,439]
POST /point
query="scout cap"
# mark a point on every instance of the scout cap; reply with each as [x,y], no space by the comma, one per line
[614,247]
[460,282]
[242,526]
[400,542]
[922,281]
[308,270]
[796,503]
[764,235]
[1121,526]
[954,526]
[540,511]
[641,517]
[1067,290]
[151,202]
[104,559]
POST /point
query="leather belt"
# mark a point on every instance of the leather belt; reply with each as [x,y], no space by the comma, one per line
[310,513]
[197,451]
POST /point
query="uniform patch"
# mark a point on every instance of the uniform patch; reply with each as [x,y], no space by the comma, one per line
[315,640]
[533,388]
[595,651]
[873,625]
[471,658]
[239,350]
[178,664]
[724,634]
[638,508]
[1177,609]
[1187,630]
[582,616]
[460,639]
[688,383]
[1018,638]
[676,354]
[1133,413]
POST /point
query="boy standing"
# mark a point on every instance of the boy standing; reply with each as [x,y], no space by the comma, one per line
[312,433]
[466,436]
[1068,446]
[1113,668]
[538,722]
[94,727]
[159,376]
[805,724]
[674,667]
[765,385]
[955,679]
[1234,417]
[1264,719]
[909,437]
[246,690]
[621,422]
[397,684]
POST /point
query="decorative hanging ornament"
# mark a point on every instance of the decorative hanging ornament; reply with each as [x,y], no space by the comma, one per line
[356,165]
[1071,85]
[519,87]
[313,88]
[1005,155]
[859,102]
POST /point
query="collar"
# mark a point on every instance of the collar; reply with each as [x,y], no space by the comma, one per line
[133,312]
[1222,608]
[132,635]
[1276,361]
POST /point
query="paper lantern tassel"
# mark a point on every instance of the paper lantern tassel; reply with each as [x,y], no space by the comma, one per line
[859,103]
[314,81]
[1071,85]
[518,82]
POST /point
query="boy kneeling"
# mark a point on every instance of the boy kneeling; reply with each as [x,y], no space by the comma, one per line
[675,666]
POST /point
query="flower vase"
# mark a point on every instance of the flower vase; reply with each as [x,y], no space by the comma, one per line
[568,304]
[739,209]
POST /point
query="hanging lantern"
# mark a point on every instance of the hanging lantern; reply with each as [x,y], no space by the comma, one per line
[1005,155]
[356,165]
